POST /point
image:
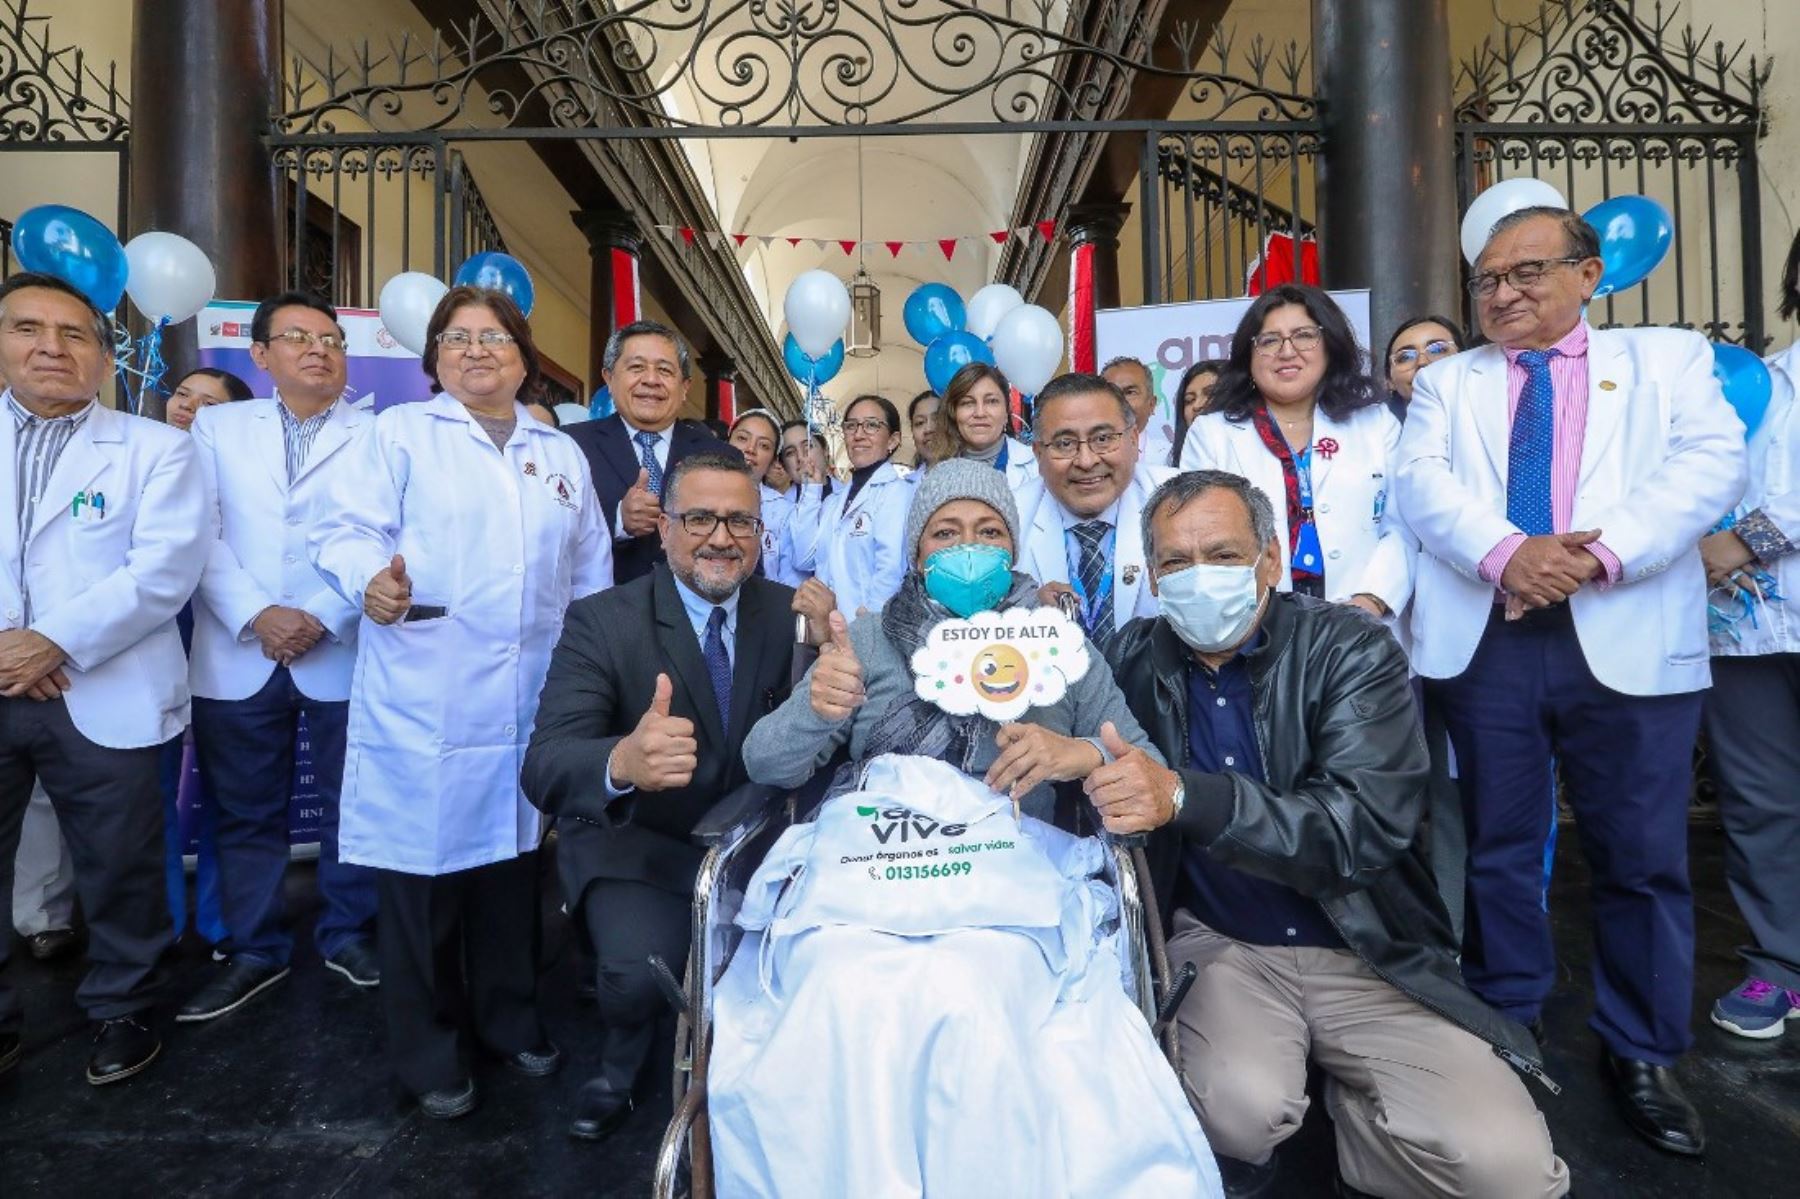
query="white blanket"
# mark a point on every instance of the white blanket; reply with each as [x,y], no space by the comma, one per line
[947,1024]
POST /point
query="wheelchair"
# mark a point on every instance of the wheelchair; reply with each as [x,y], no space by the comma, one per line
[737,835]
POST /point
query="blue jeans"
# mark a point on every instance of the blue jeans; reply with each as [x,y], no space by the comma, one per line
[246,750]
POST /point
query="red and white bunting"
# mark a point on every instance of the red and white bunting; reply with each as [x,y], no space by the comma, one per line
[947,246]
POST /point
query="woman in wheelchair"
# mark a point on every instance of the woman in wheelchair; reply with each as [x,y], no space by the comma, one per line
[962,530]
[930,996]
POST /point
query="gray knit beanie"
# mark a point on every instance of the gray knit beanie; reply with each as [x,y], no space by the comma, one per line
[959,479]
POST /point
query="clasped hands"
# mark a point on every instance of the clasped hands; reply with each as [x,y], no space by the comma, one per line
[1548,569]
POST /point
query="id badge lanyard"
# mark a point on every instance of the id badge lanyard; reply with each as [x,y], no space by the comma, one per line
[1091,607]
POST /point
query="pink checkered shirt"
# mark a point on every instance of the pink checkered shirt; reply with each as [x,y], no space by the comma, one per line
[1569,382]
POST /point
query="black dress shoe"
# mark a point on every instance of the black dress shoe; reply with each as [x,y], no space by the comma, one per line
[122,1047]
[1653,1104]
[449,1102]
[541,1062]
[52,944]
[599,1112]
[358,963]
[233,985]
[12,1047]
[1244,1180]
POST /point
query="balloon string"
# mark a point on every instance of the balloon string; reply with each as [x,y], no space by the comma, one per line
[140,367]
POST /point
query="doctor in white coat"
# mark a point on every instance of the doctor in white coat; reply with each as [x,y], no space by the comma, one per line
[1559,481]
[972,423]
[274,643]
[851,542]
[463,529]
[1294,414]
[102,539]
[757,435]
[1081,519]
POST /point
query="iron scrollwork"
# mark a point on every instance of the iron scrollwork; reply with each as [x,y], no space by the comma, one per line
[1601,62]
[51,94]
[801,64]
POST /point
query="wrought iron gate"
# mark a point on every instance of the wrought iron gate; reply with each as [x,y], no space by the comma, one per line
[1602,97]
[53,102]
[1209,197]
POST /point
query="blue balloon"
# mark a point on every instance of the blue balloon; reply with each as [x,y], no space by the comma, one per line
[933,310]
[949,354]
[1746,381]
[1635,235]
[68,243]
[502,273]
[601,406]
[812,372]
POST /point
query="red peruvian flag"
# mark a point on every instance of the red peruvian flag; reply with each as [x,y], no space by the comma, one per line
[894,247]
[1047,230]
[948,246]
[1001,236]
[1276,266]
[687,235]
[794,241]
[849,247]
[740,239]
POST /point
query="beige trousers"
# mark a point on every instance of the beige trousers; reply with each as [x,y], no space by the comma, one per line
[1421,1107]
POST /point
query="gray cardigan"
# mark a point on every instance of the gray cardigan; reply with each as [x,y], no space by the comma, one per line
[790,744]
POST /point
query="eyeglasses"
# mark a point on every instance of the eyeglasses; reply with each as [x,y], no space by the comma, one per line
[301,340]
[873,427]
[1432,352]
[701,523]
[1305,340]
[1102,442]
[1521,276]
[491,340]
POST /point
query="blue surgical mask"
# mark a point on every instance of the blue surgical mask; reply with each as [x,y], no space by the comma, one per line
[969,578]
[1212,608]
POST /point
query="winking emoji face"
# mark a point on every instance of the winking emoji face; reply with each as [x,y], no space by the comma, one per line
[999,672]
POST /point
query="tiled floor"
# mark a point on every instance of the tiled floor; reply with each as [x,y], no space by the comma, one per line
[289,1096]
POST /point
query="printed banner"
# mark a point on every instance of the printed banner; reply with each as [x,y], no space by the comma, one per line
[381,371]
[1169,338]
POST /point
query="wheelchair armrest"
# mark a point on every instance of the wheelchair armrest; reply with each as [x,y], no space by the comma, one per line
[737,809]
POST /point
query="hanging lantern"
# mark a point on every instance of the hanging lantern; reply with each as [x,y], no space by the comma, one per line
[864,340]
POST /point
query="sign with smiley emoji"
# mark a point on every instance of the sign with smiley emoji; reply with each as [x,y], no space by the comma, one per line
[1000,663]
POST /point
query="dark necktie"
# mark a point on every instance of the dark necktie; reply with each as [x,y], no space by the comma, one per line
[1095,571]
[647,456]
[718,665]
[1530,448]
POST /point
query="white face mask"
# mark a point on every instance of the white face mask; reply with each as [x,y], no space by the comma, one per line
[1211,608]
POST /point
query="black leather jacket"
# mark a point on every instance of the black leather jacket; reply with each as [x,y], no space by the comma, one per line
[1340,818]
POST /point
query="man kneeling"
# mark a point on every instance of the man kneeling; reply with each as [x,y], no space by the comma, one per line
[1288,851]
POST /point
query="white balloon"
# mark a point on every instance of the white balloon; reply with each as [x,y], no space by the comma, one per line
[406,304]
[817,309]
[1028,347]
[571,414]
[988,305]
[169,276]
[1509,195]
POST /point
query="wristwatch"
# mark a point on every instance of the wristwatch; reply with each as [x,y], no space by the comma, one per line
[1180,796]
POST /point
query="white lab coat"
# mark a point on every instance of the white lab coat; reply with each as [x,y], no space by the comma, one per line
[777,554]
[1021,464]
[858,552]
[1775,489]
[1661,461]
[107,581]
[258,555]
[441,710]
[1045,556]
[1367,546]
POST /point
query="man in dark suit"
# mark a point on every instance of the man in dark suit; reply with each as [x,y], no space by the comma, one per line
[639,732]
[632,452]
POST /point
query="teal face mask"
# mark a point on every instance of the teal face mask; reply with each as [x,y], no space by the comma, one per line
[969,578]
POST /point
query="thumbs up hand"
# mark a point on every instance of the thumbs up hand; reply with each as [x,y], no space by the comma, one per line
[661,753]
[640,507]
[389,593]
[836,690]
[1132,793]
